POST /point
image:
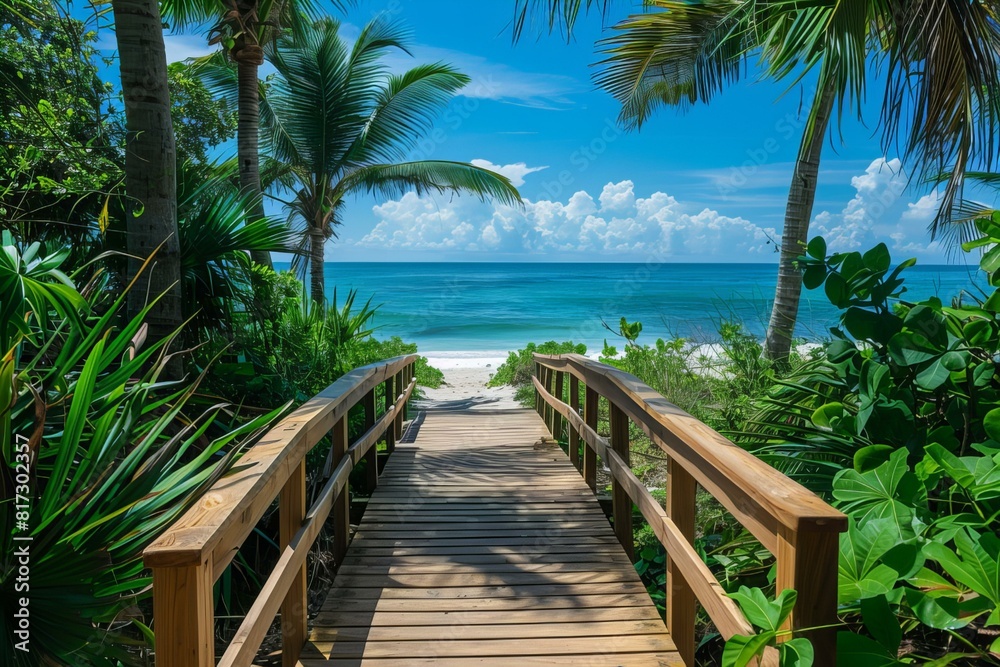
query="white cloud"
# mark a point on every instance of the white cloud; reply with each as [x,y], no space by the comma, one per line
[867,215]
[515,172]
[617,223]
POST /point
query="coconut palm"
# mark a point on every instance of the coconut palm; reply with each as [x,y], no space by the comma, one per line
[150,164]
[343,124]
[939,56]
[245,28]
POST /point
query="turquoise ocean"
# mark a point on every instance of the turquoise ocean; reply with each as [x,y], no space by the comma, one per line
[495,307]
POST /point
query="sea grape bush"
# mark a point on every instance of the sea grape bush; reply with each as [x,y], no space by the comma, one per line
[898,422]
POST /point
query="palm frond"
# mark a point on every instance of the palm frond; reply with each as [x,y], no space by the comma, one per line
[394,180]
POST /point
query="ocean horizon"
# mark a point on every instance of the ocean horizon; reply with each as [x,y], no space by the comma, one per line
[484,309]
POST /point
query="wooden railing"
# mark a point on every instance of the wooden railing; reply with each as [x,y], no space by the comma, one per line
[188,559]
[795,525]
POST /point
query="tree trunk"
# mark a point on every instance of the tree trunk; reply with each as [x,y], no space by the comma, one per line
[317,284]
[794,236]
[248,60]
[150,165]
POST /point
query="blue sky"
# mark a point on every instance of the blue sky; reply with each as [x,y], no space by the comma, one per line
[705,184]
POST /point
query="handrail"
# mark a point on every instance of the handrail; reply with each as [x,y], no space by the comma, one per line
[193,553]
[798,527]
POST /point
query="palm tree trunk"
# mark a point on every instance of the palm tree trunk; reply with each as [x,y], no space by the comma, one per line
[317,283]
[150,165]
[249,57]
[798,211]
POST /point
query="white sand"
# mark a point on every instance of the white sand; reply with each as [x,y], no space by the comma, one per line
[465,378]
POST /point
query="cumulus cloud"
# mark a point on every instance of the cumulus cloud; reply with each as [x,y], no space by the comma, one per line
[515,172]
[857,225]
[616,222]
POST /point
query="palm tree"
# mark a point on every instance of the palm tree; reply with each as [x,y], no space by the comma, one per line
[940,57]
[150,165]
[342,124]
[245,28]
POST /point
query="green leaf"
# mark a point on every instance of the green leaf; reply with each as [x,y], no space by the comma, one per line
[796,652]
[872,456]
[817,247]
[877,259]
[741,649]
[828,415]
[976,565]
[860,651]
[861,574]
[881,623]
[762,612]
[991,424]
[889,491]
[910,349]
[837,291]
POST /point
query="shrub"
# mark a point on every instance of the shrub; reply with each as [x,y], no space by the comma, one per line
[99,457]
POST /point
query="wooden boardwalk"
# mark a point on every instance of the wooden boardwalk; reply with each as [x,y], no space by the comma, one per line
[483,546]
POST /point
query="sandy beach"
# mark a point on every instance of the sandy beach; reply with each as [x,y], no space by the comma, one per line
[465,379]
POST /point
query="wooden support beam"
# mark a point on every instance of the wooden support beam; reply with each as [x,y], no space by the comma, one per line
[556,424]
[371,458]
[590,412]
[185,623]
[400,387]
[574,434]
[807,562]
[342,502]
[390,401]
[681,602]
[295,607]
[620,501]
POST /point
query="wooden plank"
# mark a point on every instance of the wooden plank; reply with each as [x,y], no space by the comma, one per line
[505,605]
[371,456]
[658,659]
[346,619]
[504,630]
[495,647]
[556,427]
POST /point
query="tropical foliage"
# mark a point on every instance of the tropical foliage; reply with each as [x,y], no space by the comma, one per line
[99,455]
[343,124]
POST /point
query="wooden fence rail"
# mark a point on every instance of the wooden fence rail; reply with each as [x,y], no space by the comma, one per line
[795,525]
[188,559]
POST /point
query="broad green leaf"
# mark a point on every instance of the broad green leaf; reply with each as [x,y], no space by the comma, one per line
[890,491]
[991,423]
[796,652]
[881,623]
[817,247]
[976,565]
[872,456]
[761,612]
[861,574]
[741,649]
[877,259]
[860,651]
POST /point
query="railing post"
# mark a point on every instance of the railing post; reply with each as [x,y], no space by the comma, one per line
[546,382]
[590,413]
[807,562]
[342,503]
[681,601]
[556,426]
[371,456]
[295,606]
[390,400]
[538,397]
[621,504]
[398,421]
[185,621]
[574,434]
